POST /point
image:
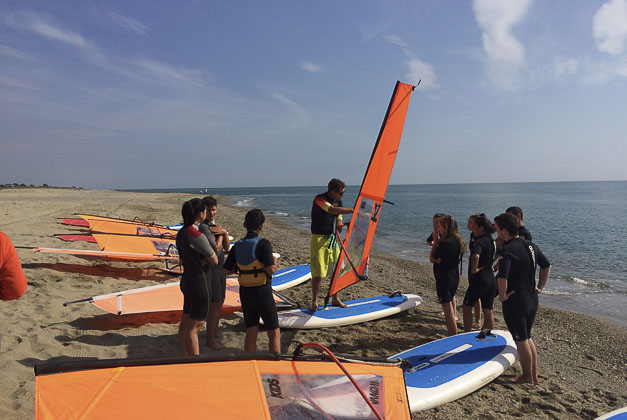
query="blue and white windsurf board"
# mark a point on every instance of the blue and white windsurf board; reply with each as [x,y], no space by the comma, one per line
[290,277]
[450,368]
[360,310]
[620,414]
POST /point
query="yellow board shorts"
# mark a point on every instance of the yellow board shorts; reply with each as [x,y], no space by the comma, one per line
[323,252]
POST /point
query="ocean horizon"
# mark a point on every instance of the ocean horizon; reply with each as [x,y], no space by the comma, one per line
[579,225]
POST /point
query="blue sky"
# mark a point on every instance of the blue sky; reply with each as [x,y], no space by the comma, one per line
[158,94]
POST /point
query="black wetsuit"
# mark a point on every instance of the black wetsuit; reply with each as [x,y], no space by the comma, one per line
[257,301]
[322,222]
[218,281]
[482,285]
[519,258]
[193,246]
[524,233]
[446,272]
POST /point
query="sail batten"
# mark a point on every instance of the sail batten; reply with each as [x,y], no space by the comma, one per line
[352,267]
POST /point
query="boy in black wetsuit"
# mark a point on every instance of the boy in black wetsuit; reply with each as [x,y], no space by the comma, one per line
[517,212]
[252,258]
[518,291]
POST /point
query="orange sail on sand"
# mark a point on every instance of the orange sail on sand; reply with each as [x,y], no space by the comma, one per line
[110,256]
[352,263]
[128,227]
[135,244]
[227,388]
[132,227]
[160,298]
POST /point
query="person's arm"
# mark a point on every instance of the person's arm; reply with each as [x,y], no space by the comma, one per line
[501,279]
[474,264]
[13,282]
[200,244]
[336,211]
[434,256]
[230,265]
[266,256]
[543,279]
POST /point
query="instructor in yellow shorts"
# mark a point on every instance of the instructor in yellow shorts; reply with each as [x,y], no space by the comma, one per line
[324,250]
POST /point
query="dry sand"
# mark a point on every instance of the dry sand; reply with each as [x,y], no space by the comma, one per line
[582,358]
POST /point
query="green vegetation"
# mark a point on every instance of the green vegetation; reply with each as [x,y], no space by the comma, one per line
[22,186]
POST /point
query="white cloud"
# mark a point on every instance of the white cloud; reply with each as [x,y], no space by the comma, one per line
[565,67]
[609,27]
[419,70]
[309,66]
[506,53]
[396,40]
[170,73]
[47,30]
[14,53]
[129,23]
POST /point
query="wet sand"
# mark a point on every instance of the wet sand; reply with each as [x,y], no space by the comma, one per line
[582,358]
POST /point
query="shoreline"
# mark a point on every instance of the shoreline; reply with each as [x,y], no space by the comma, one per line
[556,301]
[581,357]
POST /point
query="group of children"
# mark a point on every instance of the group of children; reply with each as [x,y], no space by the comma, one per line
[512,255]
[205,268]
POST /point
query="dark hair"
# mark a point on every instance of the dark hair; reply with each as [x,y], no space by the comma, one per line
[336,185]
[482,221]
[254,219]
[516,211]
[438,215]
[210,201]
[508,222]
[191,209]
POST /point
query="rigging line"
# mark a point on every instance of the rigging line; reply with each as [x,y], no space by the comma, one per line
[322,348]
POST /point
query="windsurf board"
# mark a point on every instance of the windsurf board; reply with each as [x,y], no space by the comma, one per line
[359,310]
[450,368]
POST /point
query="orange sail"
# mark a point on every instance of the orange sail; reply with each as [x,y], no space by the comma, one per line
[135,244]
[351,265]
[162,298]
[110,256]
[234,389]
[127,227]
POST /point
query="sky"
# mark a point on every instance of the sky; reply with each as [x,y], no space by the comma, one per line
[161,94]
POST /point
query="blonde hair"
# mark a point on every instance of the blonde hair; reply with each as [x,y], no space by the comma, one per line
[451,229]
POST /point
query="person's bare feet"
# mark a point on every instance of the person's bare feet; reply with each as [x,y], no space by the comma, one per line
[215,345]
[313,308]
[521,380]
[337,302]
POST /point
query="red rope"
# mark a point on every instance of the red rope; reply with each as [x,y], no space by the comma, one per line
[332,356]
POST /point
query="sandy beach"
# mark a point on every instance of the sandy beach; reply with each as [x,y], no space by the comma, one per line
[582,358]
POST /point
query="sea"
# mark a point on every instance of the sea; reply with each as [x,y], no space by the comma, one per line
[580,226]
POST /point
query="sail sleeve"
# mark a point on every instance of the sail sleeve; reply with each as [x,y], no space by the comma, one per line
[354,256]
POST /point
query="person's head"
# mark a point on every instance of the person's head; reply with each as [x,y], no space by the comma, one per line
[479,224]
[193,211]
[447,227]
[336,188]
[212,207]
[435,220]
[516,212]
[254,220]
[506,226]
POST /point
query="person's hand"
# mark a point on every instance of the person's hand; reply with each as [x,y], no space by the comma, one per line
[538,291]
[504,298]
[218,230]
[339,228]
[436,237]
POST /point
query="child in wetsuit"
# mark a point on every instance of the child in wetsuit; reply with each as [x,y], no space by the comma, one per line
[446,251]
[252,258]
